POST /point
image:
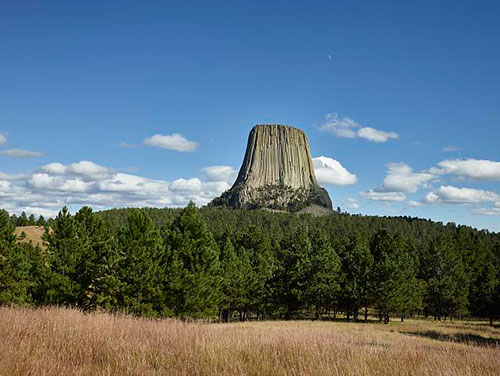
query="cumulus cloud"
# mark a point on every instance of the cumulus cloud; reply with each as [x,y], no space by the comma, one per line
[20,153]
[174,141]
[493,210]
[376,135]
[221,173]
[10,177]
[383,196]
[401,178]
[352,203]
[414,203]
[453,195]
[3,139]
[87,183]
[348,128]
[331,172]
[480,169]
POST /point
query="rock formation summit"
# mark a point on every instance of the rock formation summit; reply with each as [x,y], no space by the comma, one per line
[277,173]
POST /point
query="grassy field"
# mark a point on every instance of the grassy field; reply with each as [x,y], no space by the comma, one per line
[56,341]
[33,234]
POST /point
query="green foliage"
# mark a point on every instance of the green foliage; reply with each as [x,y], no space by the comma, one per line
[325,278]
[64,252]
[215,262]
[448,281]
[193,267]
[140,269]
[292,275]
[357,263]
[394,286]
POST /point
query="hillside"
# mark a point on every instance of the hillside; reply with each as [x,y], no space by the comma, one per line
[241,264]
[33,235]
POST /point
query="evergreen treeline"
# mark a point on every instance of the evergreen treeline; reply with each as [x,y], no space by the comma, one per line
[208,263]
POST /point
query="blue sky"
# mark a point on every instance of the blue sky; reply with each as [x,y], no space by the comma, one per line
[403,96]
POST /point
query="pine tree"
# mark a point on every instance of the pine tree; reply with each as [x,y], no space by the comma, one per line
[41,221]
[140,273]
[253,250]
[357,263]
[64,255]
[393,275]
[483,280]
[235,272]
[194,274]
[294,268]
[324,282]
[447,287]
[98,274]
[14,265]
[31,220]
[22,220]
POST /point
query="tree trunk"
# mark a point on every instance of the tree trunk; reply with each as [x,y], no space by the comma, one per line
[366,313]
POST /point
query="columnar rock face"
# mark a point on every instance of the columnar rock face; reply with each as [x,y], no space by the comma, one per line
[277,173]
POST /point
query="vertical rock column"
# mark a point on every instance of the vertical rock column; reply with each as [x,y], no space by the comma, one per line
[277,172]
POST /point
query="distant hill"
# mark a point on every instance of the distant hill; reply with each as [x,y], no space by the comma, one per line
[33,235]
[338,225]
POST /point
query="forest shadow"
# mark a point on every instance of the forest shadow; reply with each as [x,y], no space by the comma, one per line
[467,338]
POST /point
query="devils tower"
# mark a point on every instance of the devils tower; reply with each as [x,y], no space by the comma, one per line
[277,173]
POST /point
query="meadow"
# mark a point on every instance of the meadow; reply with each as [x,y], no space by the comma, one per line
[57,341]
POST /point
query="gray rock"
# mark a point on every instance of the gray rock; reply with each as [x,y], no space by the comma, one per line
[277,173]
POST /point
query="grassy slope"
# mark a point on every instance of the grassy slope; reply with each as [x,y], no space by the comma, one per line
[33,234]
[61,341]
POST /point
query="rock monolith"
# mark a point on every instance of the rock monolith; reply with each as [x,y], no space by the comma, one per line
[277,173]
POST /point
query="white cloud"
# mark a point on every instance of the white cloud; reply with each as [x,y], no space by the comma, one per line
[221,173]
[383,196]
[329,171]
[20,153]
[401,178]
[86,183]
[54,168]
[43,181]
[175,141]
[352,203]
[11,177]
[85,169]
[186,185]
[414,204]
[3,139]
[492,210]
[348,128]
[495,210]
[480,169]
[454,195]
[376,135]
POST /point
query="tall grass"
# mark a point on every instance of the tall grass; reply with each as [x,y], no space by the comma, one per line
[55,341]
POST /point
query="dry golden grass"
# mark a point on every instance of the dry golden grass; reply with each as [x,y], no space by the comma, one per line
[33,235]
[56,341]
